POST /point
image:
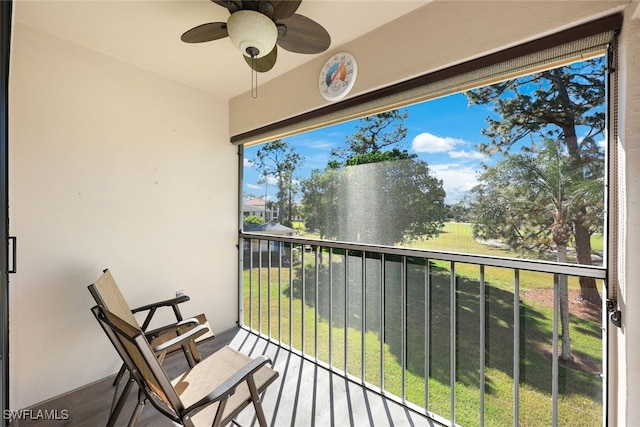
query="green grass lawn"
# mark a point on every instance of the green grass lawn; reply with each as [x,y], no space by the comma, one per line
[279,309]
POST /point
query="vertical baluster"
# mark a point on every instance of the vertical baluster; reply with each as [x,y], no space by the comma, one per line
[317,276]
[382,320]
[251,283]
[403,327]
[427,330]
[291,298]
[240,267]
[363,314]
[482,344]
[346,309]
[331,308]
[452,339]
[554,363]
[304,297]
[516,348]
[260,286]
[280,265]
[604,340]
[269,243]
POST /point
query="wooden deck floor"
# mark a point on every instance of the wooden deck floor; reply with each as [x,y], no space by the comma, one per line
[304,395]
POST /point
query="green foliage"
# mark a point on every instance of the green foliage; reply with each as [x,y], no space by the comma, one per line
[375,202]
[319,202]
[550,104]
[459,211]
[378,156]
[253,220]
[280,160]
[375,195]
[548,195]
[373,134]
[544,195]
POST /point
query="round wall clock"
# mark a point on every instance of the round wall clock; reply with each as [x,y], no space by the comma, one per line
[338,76]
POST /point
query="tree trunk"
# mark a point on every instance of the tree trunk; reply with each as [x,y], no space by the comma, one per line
[563,291]
[588,288]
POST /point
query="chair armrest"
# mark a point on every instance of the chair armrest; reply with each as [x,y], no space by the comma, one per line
[228,387]
[190,335]
[166,303]
[172,327]
[151,309]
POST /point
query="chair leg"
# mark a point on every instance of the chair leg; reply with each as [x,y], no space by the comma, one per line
[219,413]
[138,410]
[115,411]
[194,352]
[255,398]
[120,374]
[186,349]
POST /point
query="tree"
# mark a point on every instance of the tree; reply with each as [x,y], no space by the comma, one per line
[373,134]
[253,220]
[280,160]
[528,200]
[554,104]
[373,192]
[459,211]
[319,205]
[391,198]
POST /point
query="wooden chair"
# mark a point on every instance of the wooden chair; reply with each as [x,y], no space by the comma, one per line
[180,335]
[211,393]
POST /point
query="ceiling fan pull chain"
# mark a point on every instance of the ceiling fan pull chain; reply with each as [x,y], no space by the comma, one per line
[254,78]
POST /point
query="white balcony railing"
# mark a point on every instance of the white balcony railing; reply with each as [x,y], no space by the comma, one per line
[464,339]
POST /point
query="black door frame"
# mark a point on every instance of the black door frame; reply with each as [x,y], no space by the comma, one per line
[6,7]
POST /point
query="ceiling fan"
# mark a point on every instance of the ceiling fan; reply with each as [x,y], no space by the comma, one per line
[255,27]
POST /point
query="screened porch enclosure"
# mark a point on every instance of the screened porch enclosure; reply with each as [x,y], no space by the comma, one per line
[463,339]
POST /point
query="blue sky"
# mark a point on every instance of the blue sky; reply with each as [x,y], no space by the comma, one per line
[443,132]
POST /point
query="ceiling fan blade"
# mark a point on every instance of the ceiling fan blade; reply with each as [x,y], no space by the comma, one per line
[265,63]
[283,9]
[303,35]
[206,33]
[231,5]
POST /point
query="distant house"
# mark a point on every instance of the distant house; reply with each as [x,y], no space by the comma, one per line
[270,227]
[257,207]
[263,246]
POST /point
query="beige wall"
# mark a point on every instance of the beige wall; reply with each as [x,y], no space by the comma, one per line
[435,36]
[110,166]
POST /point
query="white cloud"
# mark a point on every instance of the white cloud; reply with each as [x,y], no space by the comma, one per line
[429,143]
[254,186]
[318,144]
[247,163]
[271,180]
[472,155]
[456,180]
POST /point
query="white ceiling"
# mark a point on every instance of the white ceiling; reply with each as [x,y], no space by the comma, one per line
[147,34]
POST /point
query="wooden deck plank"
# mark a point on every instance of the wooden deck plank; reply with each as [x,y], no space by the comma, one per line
[305,394]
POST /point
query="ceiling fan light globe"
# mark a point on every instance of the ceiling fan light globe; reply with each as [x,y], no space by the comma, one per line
[250,31]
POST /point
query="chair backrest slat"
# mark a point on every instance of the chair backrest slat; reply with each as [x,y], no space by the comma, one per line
[147,369]
[107,294]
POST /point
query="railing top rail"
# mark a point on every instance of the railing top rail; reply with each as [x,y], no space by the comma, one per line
[596,272]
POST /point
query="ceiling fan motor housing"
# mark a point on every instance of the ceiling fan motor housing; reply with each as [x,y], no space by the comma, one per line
[253,33]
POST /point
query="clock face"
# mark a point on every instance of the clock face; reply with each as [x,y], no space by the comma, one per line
[338,76]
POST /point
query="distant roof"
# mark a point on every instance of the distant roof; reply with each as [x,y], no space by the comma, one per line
[254,202]
[269,227]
